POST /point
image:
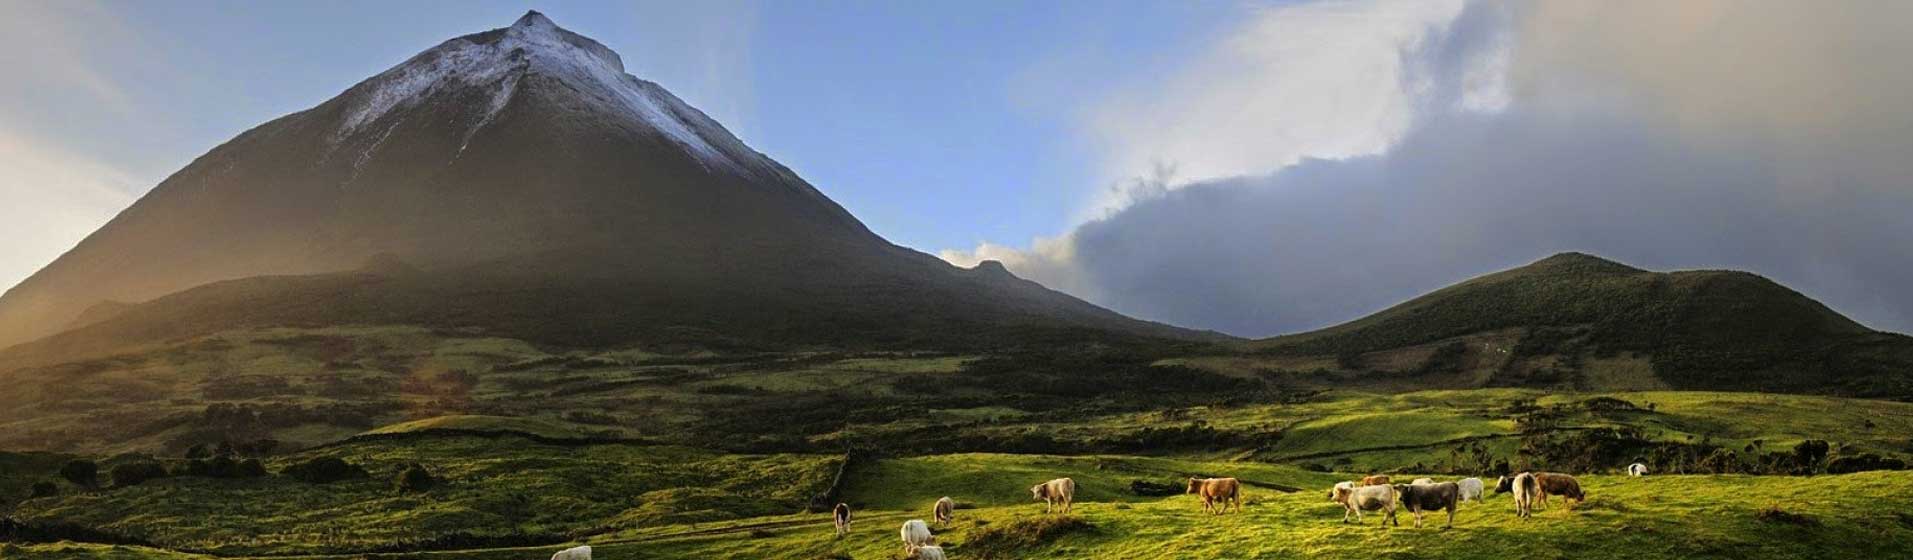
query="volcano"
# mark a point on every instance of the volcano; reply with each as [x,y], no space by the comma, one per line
[517,181]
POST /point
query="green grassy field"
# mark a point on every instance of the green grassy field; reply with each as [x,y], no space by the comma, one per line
[539,481]
[1844,516]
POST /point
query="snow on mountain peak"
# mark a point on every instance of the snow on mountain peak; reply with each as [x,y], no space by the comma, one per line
[496,60]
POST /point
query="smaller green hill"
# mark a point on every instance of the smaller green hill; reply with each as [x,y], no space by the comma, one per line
[1542,324]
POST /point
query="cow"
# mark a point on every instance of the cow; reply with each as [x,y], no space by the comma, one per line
[1422,481]
[1374,479]
[1217,494]
[916,534]
[1357,499]
[1419,498]
[1470,489]
[944,511]
[1637,469]
[1558,484]
[574,553]
[1524,488]
[841,515]
[929,553]
[1055,494]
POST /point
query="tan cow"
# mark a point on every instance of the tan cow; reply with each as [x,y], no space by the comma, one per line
[1217,494]
[1374,479]
[1055,494]
[944,511]
[1357,499]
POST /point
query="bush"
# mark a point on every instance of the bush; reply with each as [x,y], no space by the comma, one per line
[45,489]
[414,478]
[132,474]
[82,472]
[324,470]
[1862,463]
[222,466]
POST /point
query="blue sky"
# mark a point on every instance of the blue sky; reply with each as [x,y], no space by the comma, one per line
[1252,167]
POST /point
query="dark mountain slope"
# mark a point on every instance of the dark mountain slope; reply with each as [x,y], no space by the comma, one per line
[539,190]
[1700,329]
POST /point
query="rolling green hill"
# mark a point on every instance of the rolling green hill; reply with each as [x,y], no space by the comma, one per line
[1581,322]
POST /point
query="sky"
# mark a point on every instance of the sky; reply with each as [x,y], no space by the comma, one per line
[1252,167]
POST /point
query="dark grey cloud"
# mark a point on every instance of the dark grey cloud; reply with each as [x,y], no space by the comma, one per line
[1764,137]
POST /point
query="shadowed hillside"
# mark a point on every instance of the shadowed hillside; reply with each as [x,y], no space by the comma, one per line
[1571,319]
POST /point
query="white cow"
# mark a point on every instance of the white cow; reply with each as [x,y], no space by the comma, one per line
[916,534]
[1525,491]
[1471,489]
[576,553]
[1637,469]
[1055,494]
[930,553]
[1422,481]
[1356,499]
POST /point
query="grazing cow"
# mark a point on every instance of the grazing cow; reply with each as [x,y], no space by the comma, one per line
[1637,469]
[1419,498]
[1055,494]
[1558,484]
[1524,488]
[1217,494]
[1374,479]
[916,535]
[929,553]
[574,553]
[1470,489]
[841,515]
[1357,499]
[1422,481]
[944,511]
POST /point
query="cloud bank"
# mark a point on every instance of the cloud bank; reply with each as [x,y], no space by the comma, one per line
[1771,137]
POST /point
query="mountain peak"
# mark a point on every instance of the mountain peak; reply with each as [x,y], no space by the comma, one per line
[533,18]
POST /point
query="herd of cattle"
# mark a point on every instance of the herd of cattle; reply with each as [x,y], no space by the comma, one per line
[1372,493]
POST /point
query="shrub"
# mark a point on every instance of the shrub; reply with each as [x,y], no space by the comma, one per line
[82,472]
[222,466]
[414,478]
[45,489]
[324,470]
[132,474]
[1866,462]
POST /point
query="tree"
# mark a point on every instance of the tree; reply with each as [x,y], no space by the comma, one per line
[82,472]
[1809,454]
[414,478]
[132,474]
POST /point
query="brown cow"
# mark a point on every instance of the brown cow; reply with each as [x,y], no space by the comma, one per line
[1217,494]
[1558,484]
[1056,494]
[1430,497]
[1374,479]
[944,511]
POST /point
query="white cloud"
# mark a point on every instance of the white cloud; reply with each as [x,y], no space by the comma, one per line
[1320,80]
